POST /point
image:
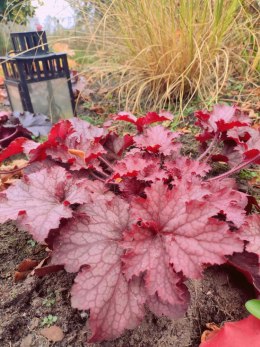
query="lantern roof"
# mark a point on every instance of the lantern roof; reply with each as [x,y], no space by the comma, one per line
[30,43]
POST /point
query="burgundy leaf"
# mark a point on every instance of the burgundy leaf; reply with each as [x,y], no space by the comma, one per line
[4,116]
[116,145]
[10,133]
[131,187]
[249,265]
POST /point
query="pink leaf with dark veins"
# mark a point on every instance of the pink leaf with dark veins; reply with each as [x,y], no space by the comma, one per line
[42,199]
[158,140]
[222,118]
[91,239]
[250,231]
[115,304]
[191,237]
[131,165]
[147,253]
[231,202]
[184,167]
[160,307]
[103,224]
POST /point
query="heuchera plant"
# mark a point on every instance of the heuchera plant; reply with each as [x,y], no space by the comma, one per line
[130,214]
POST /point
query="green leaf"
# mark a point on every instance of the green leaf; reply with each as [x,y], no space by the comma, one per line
[253,306]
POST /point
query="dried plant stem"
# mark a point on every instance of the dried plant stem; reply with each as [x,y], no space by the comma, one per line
[10,136]
[208,150]
[106,163]
[93,174]
[235,169]
[13,171]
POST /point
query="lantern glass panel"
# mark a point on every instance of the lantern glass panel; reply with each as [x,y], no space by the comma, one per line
[15,98]
[51,98]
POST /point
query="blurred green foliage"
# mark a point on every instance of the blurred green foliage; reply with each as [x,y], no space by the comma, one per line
[17,11]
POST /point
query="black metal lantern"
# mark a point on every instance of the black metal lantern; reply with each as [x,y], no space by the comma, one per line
[37,80]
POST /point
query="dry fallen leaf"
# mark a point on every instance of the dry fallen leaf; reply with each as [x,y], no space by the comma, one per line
[10,173]
[98,109]
[184,130]
[24,268]
[77,153]
[27,264]
[53,333]
[63,47]
[20,276]
[27,341]
[212,330]
[45,270]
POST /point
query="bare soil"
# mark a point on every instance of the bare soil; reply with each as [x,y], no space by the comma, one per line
[219,297]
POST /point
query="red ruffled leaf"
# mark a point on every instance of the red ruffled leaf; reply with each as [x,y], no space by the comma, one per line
[15,147]
[140,123]
[244,333]
[74,142]
[158,140]
[222,118]
[230,202]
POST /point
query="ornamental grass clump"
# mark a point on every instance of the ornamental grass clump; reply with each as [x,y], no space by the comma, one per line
[157,51]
